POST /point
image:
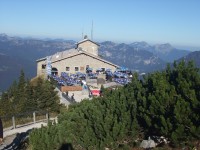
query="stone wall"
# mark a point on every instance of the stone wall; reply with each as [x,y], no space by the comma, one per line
[89,47]
[80,61]
[41,71]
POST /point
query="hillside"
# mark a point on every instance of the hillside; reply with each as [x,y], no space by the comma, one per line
[9,70]
[164,107]
[21,53]
[193,56]
[165,51]
[135,59]
[168,53]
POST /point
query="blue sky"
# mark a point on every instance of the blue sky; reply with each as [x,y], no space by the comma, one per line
[154,21]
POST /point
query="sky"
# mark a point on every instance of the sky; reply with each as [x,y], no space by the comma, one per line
[155,21]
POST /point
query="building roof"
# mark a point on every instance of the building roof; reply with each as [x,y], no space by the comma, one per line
[71,53]
[84,40]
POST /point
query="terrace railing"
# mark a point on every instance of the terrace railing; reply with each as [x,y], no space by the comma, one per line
[24,119]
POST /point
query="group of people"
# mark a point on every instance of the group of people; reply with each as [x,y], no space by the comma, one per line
[1,132]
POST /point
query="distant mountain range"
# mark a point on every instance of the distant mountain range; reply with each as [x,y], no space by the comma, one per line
[164,51]
[194,56]
[9,70]
[21,53]
[139,60]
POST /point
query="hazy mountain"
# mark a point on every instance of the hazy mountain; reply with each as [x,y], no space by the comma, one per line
[194,56]
[9,70]
[168,53]
[164,51]
[141,45]
[135,59]
[31,49]
[21,53]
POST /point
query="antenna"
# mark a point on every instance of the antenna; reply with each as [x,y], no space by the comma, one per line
[92,31]
[82,32]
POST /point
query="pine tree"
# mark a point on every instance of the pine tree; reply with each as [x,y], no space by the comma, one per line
[5,105]
[47,98]
[30,102]
[38,91]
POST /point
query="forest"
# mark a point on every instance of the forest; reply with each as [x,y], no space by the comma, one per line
[26,96]
[160,104]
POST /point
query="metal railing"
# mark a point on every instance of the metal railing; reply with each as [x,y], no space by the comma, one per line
[24,119]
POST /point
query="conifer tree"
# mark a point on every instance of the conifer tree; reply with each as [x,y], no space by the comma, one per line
[30,102]
[164,103]
[5,104]
[47,98]
[19,98]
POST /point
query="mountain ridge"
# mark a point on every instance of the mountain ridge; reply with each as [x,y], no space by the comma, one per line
[193,56]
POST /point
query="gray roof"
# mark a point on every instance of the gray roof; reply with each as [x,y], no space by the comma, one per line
[71,53]
[84,40]
[59,55]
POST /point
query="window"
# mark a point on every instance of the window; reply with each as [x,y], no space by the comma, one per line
[43,66]
[82,68]
[67,68]
[76,69]
[103,69]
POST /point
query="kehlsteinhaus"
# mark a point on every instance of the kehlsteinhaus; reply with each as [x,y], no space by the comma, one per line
[83,56]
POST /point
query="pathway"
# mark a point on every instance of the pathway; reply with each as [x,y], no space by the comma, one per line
[13,137]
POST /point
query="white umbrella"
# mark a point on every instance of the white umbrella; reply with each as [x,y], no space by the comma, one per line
[148,143]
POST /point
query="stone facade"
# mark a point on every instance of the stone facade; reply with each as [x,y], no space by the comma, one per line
[40,69]
[75,60]
[89,47]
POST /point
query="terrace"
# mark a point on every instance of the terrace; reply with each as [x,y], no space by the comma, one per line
[87,83]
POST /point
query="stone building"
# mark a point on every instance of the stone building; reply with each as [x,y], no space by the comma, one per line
[74,60]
